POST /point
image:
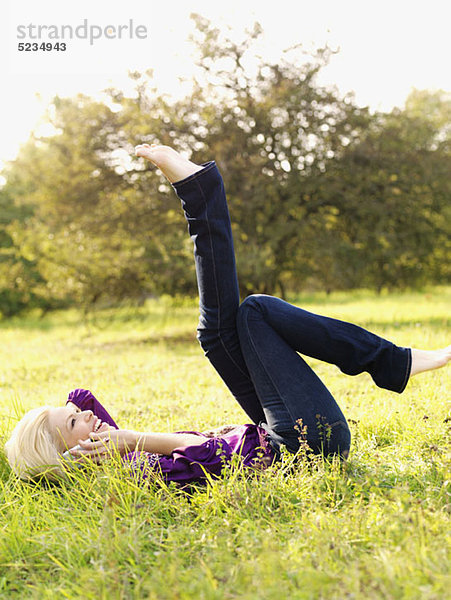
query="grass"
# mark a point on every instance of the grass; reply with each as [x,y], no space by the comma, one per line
[377,528]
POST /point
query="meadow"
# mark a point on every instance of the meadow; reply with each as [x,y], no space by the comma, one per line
[377,527]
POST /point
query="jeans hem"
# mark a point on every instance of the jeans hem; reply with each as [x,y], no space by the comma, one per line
[408,371]
[206,167]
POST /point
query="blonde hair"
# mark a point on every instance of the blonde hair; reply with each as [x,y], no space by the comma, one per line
[32,450]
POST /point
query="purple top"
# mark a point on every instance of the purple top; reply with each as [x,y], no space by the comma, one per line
[190,463]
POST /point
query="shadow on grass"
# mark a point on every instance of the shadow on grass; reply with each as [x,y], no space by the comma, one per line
[343,298]
[157,313]
[167,338]
[158,320]
[160,310]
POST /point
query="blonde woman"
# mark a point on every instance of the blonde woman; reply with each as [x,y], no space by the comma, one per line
[255,347]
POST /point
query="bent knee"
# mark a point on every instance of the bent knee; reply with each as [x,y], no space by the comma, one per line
[253,303]
[252,300]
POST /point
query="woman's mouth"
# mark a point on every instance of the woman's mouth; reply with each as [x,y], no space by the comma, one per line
[97,425]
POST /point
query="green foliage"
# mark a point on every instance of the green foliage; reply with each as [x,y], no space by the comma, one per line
[20,280]
[391,195]
[376,528]
[322,194]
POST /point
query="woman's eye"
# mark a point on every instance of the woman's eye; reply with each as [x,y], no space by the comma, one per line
[73,422]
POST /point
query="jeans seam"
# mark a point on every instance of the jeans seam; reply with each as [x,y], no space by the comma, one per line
[216,279]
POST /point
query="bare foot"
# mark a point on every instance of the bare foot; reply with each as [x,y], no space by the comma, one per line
[426,360]
[174,166]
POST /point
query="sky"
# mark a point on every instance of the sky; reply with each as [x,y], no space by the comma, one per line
[386,48]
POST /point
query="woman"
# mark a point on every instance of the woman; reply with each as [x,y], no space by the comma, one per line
[253,346]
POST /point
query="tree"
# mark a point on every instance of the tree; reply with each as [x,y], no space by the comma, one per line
[322,193]
[391,191]
[273,135]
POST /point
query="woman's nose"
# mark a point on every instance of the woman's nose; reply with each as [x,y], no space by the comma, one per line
[87,414]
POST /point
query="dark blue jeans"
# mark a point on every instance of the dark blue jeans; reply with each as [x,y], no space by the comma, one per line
[255,346]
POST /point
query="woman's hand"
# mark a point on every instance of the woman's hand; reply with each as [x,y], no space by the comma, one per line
[106,443]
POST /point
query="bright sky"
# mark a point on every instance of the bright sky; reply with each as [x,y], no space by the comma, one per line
[387,47]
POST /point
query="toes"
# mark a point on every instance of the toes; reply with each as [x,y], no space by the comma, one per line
[142,149]
[145,145]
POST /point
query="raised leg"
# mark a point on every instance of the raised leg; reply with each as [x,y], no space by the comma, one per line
[272,332]
[350,347]
[292,395]
[201,191]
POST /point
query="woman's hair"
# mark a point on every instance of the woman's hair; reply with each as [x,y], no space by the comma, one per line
[32,449]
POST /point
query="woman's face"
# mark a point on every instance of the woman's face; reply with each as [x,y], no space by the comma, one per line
[69,424]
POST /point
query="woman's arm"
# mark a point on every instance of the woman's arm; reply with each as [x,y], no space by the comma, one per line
[124,441]
[166,443]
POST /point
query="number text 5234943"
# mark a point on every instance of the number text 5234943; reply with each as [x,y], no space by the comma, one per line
[43,47]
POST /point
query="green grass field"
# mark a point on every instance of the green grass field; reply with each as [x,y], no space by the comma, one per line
[376,528]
